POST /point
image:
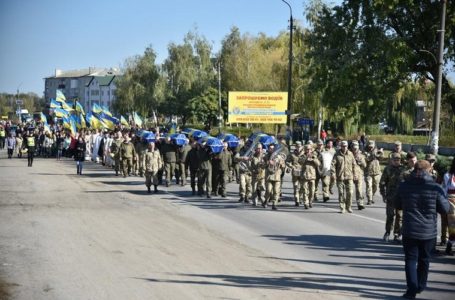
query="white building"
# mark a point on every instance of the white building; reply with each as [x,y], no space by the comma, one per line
[89,86]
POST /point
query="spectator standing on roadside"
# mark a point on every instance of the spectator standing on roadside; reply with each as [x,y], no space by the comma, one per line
[420,198]
[79,153]
[448,220]
[10,144]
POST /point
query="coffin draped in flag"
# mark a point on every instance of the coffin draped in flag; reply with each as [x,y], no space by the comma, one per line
[179,139]
[266,140]
[215,145]
[231,139]
[149,137]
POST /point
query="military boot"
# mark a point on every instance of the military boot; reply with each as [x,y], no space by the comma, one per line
[155,189]
[148,189]
[241,199]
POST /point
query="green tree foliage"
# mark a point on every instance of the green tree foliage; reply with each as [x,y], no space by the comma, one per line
[366,52]
[136,89]
[204,108]
[31,101]
[189,72]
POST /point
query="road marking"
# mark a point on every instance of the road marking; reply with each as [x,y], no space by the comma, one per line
[358,216]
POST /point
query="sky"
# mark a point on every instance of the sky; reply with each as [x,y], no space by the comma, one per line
[39,36]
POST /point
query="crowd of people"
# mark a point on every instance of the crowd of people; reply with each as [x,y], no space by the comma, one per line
[257,167]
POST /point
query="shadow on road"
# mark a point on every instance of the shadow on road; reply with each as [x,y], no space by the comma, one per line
[329,284]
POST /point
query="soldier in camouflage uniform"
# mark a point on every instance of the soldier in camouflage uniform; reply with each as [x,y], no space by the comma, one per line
[360,165]
[192,161]
[257,174]
[388,186]
[292,162]
[153,163]
[398,149]
[205,170]
[244,163]
[115,151]
[372,171]
[169,152]
[328,181]
[343,169]
[411,159]
[318,151]
[127,154]
[141,150]
[182,166]
[310,165]
[224,163]
[274,166]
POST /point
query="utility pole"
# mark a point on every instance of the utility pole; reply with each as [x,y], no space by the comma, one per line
[220,115]
[289,110]
[437,104]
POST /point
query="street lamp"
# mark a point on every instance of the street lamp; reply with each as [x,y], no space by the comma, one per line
[220,116]
[289,110]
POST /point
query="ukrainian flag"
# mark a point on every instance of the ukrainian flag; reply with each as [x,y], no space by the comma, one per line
[54,104]
[137,119]
[79,108]
[66,106]
[47,128]
[108,121]
[95,122]
[82,120]
[73,127]
[43,118]
[124,122]
[106,111]
[60,113]
[59,96]
[96,108]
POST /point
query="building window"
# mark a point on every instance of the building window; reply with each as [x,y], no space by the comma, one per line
[102,93]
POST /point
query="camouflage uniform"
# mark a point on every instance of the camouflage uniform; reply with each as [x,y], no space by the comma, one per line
[127,154]
[258,176]
[360,165]
[326,158]
[115,150]
[273,171]
[224,165]
[169,153]
[292,162]
[245,186]
[182,166]
[388,186]
[205,171]
[153,163]
[310,165]
[141,150]
[372,172]
[343,168]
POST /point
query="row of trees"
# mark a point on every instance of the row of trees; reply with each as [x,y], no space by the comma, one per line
[357,63]
[30,101]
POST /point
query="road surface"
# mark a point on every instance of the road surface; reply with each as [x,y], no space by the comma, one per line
[98,236]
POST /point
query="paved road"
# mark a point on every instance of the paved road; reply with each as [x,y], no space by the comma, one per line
[98,236]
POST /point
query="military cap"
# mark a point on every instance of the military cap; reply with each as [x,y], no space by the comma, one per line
[320,142]
[308,146]
[430,157]
[396,156]
[355,143]
[310,142]
[298,143]
[344,143]
[397,143]
[371,143]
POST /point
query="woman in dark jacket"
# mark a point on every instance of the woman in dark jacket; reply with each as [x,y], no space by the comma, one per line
[79,154]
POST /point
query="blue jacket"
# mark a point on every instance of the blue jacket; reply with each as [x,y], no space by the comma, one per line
[421,199]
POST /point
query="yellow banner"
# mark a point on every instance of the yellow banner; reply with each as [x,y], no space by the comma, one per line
[258,107]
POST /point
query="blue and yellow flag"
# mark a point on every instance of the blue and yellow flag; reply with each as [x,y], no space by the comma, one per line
[124,122]
[66,106]
[95,122]
[43,118]
[60,113]
[96,108]
[137,119]
[54,104]
[108,121]
[73,127]
[59,96]
[79,108]
[106,111]
[82,120]
[47,128]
